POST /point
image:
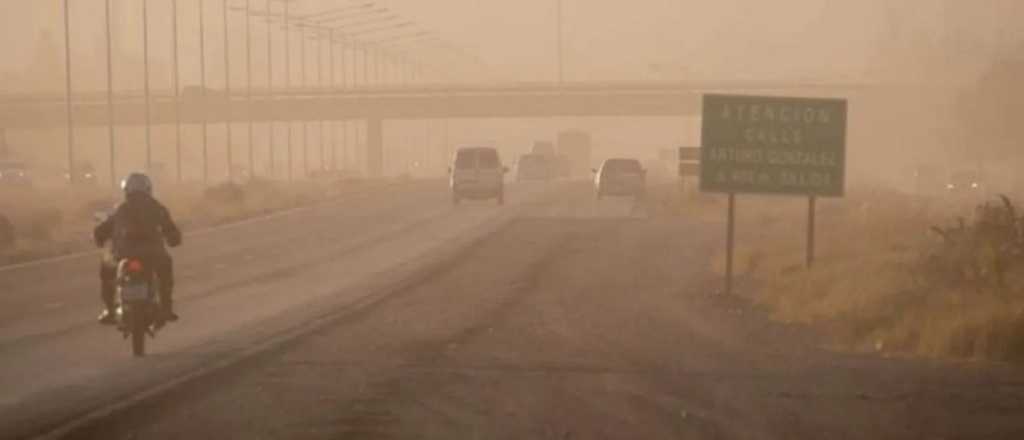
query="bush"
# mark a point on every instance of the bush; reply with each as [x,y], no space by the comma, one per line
[980,253]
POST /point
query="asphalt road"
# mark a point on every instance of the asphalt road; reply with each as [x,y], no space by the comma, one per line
[237,286]
[555,317]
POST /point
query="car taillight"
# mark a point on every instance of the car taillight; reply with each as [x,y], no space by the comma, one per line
[134,266]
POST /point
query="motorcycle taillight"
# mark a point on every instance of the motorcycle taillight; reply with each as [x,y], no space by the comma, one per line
[134,266]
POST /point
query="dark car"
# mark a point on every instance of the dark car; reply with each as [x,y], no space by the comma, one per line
[964,181]
[14,173]
[83,173]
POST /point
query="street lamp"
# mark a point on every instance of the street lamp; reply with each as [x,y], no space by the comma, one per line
[110,98]
[305,126]
[145,69]
[202,90]
[67,77]
[270,90]
[227,91]
[558,26]
[177,87]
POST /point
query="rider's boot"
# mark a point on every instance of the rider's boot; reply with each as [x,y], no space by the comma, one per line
[168,311]
[108,317]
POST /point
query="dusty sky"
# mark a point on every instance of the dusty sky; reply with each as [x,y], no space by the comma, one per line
[604,39]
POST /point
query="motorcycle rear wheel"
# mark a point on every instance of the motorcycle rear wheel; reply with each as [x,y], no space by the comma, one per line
[138,330]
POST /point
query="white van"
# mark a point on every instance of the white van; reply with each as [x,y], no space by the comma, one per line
[477,174]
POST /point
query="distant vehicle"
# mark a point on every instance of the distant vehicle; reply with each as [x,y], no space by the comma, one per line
[543,148]
[964,181]
[534,167]
[83,173]
[620,177]
[14,173]
[477,174]
[575,145]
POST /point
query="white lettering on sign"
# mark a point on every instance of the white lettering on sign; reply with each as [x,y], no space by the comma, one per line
[776,113]
[806,158]
[738,155]
[779,136]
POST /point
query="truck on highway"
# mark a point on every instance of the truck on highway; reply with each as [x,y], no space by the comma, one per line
[574,145]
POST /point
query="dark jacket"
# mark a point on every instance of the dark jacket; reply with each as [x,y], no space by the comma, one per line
[139,226]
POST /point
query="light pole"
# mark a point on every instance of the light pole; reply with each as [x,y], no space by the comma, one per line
[248,82]
[288,83]
[67,77]
[305,126]
[145,69]
[320,84]
[227,92]
[177,89]
[110,98]
[270,90]
[202,86]
[333,85]
[558,26]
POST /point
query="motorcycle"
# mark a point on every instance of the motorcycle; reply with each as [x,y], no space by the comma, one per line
[139,312]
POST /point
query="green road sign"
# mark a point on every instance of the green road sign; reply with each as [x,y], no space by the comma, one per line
[774,145]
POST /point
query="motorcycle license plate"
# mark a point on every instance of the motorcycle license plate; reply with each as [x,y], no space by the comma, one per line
[135,293]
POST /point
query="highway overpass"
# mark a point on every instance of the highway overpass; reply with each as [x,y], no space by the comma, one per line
[420,102]
[375,105]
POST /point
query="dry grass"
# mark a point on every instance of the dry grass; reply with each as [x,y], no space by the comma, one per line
[872,286]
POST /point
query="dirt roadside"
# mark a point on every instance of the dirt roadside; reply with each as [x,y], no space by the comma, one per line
[582,328]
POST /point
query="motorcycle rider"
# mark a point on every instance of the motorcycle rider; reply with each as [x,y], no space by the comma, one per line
[138,228]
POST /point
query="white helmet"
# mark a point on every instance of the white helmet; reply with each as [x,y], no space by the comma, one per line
[137,182]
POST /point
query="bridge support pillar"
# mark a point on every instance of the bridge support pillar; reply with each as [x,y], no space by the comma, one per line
[374,147]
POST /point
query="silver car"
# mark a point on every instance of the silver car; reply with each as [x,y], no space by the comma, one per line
[620,177]
[477,174]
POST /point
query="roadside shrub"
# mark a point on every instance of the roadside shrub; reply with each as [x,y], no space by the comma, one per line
[981,253]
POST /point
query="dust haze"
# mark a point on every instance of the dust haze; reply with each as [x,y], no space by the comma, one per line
[486,219]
